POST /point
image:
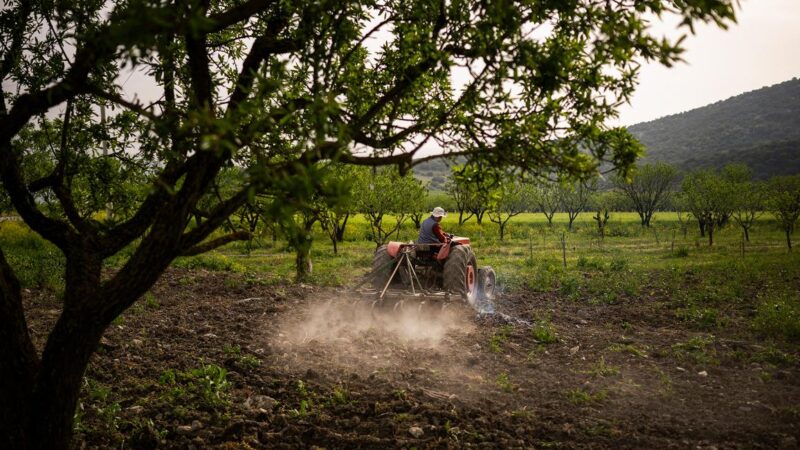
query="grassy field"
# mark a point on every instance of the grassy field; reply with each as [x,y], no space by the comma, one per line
[645,334]
[754,285]
[728,283]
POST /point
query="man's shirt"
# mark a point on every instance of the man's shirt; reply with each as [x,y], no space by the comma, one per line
[431,232]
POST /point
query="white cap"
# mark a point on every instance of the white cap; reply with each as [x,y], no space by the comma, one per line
[438,212]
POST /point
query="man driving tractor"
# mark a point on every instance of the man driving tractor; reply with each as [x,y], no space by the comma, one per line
[431,232]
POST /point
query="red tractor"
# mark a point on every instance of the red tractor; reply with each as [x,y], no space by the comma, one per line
[451,268]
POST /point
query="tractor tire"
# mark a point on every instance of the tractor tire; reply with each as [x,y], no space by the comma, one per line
[487,280]
[382,267]
[460,273]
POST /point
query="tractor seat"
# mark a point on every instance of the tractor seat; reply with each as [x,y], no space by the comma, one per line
[426,251]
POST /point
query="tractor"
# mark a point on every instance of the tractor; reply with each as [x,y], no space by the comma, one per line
[450,268]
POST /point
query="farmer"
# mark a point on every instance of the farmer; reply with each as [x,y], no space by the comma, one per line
[431,232]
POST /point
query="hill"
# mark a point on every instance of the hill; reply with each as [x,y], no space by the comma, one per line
[760,128]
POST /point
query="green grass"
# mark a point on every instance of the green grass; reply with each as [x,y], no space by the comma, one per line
[504,382]
[707,288]
[579,397]
[544,332]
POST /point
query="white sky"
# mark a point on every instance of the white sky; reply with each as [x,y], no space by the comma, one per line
[762,49]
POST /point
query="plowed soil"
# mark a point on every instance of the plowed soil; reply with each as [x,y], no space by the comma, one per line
[322,367]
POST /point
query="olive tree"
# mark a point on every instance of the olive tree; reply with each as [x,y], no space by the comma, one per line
[276,87]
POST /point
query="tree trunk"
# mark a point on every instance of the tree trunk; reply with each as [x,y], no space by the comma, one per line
[417,219]
[302,262]
[19,362]
[502,230]
[702,224]
[746,234]
[340,228]
[789,239]
[42,417]
[39,399]
[302,245]
[64,361]
[711,234]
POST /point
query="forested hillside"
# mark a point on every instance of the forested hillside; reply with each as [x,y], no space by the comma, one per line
[760,128]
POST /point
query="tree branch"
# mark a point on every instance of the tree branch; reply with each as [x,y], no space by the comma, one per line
[115,98]
[407,79]
[16,348]
[237,14]
[218,242]
[262,48]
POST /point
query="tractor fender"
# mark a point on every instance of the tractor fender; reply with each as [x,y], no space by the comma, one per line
[393,248]
[444,252]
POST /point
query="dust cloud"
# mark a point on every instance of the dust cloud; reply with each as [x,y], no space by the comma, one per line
[352,334]
[411,322]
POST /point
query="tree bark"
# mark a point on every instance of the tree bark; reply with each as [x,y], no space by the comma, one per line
[340,228]
[58,383]
[19,361]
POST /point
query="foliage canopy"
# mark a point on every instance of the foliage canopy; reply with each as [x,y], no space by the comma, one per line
[277,89]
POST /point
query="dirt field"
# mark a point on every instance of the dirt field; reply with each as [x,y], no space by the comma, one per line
[316,367]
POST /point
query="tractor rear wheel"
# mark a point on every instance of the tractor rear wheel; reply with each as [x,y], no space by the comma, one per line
[461,273]
[382,267]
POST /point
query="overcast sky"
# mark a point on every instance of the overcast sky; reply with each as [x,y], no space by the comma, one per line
[762,49]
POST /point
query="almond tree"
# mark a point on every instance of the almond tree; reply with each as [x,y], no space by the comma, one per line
[748,196]
[274,87]
[510,199]
[574,197]
[784,202]
[547,200]
[385,192]
[709,198]
[648,188]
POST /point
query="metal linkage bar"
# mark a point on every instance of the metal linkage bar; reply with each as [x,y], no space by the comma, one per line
[404,259]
